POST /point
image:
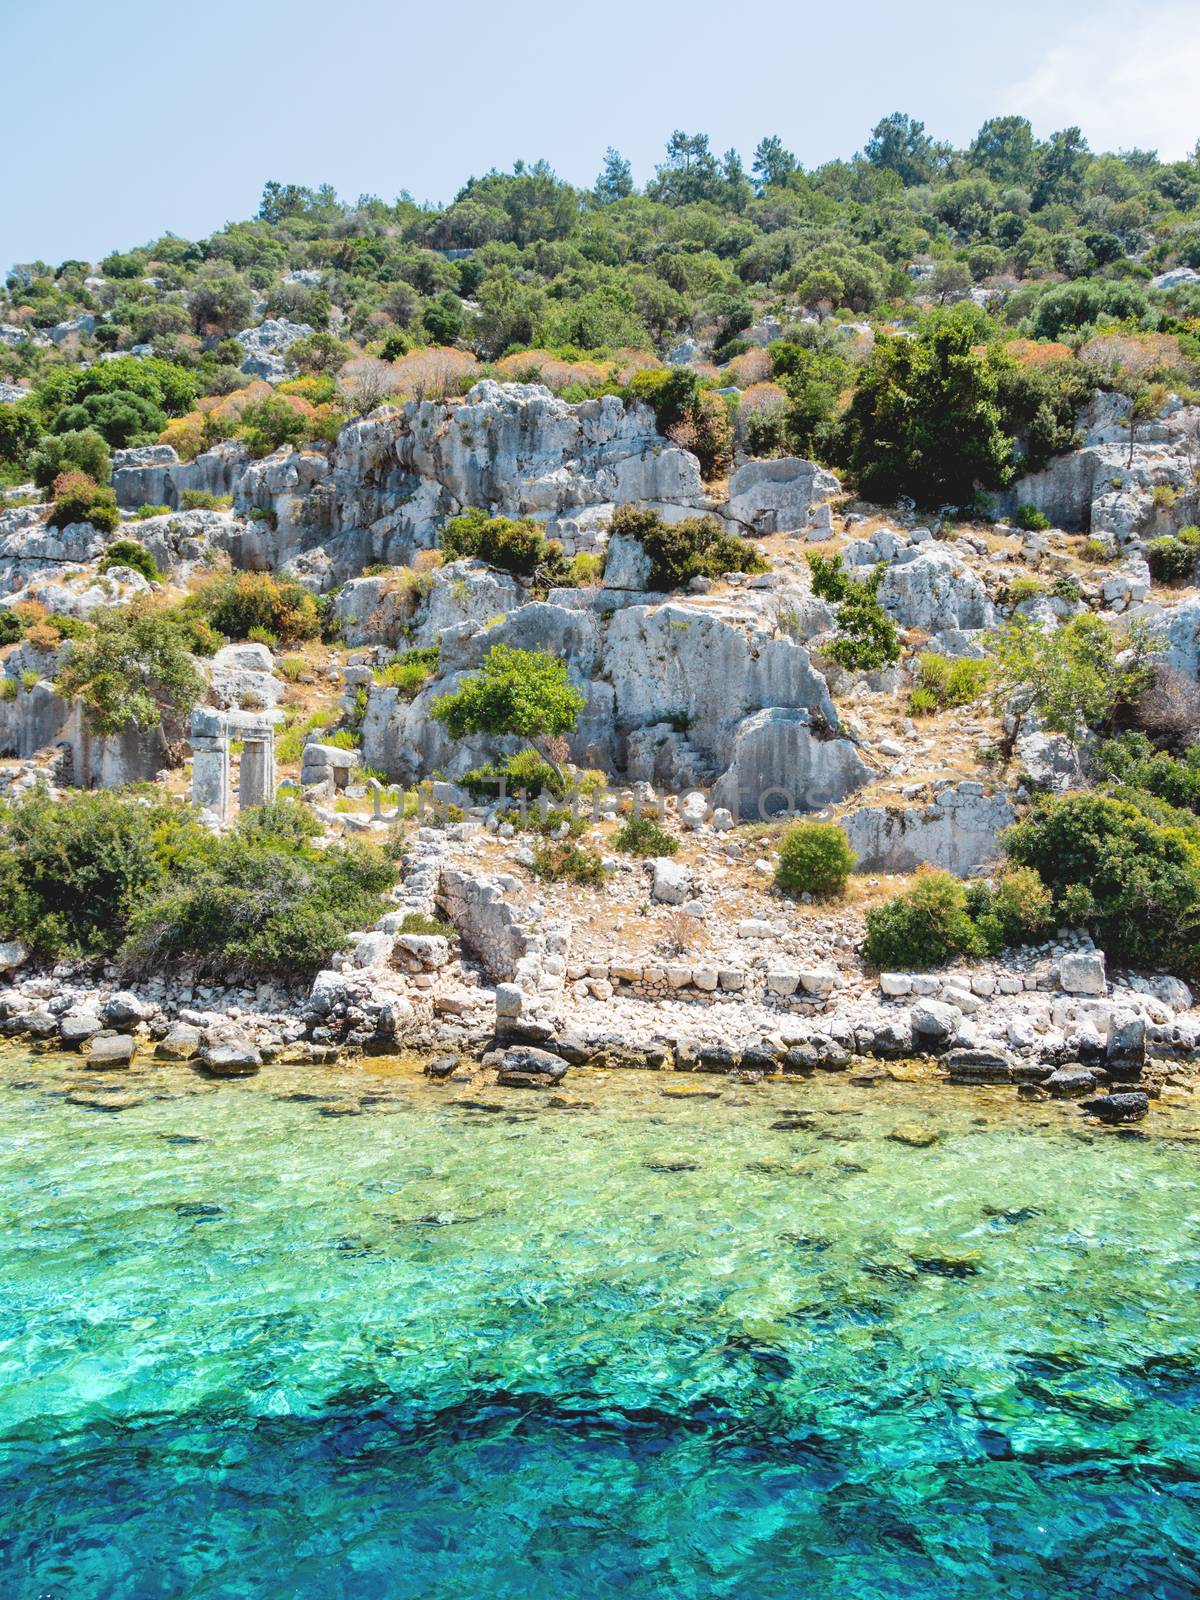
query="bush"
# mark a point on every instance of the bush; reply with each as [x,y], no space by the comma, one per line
[1139,862]
[945,681]
[203,500]
[78,499]
[1019,909]
[418,922]
[129,553]
[518,546]
[697,547]
[1133,761]
[644,835]
[146,511]
[573,862]
[121,417]
[410,672]
[261,901]
[526,693]
[74,870]
[134,666]
[922,927]
[1031,519]
[85,451]
[866,637]
[815,858]
[240,601]
[1172,560]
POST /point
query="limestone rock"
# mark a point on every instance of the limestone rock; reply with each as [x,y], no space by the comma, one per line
[1082,972]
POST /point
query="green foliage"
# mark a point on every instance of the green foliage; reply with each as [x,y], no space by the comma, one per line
[522,692]
[74,870]
[574,863]
[146,511]
[419,922]
[20,430]
[410,672]
[267,424]
[1173,560]
[815,858]
[943,681]
[925,419]
[923,926]
[643,835]
[1070,678]
[135,665]
[85,451]
[1133,761]
[1018,909]
[78,499]
[203,500]
[1031,519]
[866,637]
[129,553]
[236,602]
[121,417]
[1141,874]
[518,546]
[697,547]
[260,901]
[829,578]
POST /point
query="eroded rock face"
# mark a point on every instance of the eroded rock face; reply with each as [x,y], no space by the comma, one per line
[776,496]
[778,763]
[959,831]
[154,475]
[930,586]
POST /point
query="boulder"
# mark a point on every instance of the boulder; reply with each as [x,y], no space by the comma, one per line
[672,882]
[1082,972]
[775,496]
[959,831]
[124,1009]
[110,1050]
[181,1043]
[526,1067]
[1070,1082]
[13,954]
[1127,1106]
[935,590]
[626,564]
[934,1023]
[980,1064]
[75,1028]
[233,1057]
[266,345]
[780,763]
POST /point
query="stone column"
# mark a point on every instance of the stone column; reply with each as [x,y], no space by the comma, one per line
[257,783]
[210,762]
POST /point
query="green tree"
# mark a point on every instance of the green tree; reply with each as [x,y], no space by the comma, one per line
[616,179]
[900,144]
[773,164]
[119,416]
[220,300]
[523,693]
[1004,149]
[690,173]
[135,666]
[85,451]
[924,420]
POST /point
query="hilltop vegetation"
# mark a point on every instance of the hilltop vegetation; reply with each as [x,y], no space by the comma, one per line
[1025,268]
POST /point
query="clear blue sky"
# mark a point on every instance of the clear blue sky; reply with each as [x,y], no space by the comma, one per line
[129,119]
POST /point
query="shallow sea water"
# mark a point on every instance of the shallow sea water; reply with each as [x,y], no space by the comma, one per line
[341,1333]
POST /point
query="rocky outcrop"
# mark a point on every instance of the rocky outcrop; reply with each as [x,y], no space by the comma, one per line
[154,475]
[959,831]
[266,347]
[776,496]
[778,762]
[930,586]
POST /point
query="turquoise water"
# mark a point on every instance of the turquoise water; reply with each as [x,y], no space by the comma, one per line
[474,1343]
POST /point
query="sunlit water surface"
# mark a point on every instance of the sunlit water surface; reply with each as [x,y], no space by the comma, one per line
[347,1334]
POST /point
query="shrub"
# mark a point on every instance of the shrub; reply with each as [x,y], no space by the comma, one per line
[74,870]
[1094,550]
[203,500]
[923,926]
[573,862]
[866,637]
[418,922]
[644,835]
[1142,874]
[85,451]
[261,901]
[243,600]
[1172,560]
[526,693]
[815,858]
[518,546]
[945,681]
[121,417]
[410,672]
[129,553]
[146,511]
[12,626]
[1031,519]
[135,666]
[1019,909]
[78,499]
[267,424]
[697,547]
[1133,761]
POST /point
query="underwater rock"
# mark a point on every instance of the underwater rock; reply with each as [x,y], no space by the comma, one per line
[1129,1107]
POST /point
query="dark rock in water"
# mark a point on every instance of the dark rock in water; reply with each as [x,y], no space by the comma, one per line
[670,1164]
[512,1030]
[574,1049]
[1069,1082]
[980,1064]
[1031,1072]
[944,1266]
[181,1138]
[1127,1107]
[205,1210]
[99,1101]
[717,1058]
[759,1059]
[892,1041]
[801,1058]
[340,1108]
[525,1067]
[914,1133]
[442,1067]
